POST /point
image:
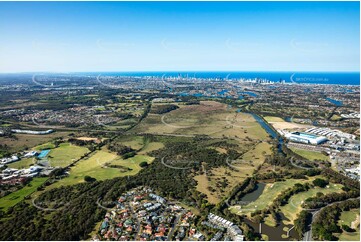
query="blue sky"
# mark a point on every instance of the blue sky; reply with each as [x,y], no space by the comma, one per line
[176,36]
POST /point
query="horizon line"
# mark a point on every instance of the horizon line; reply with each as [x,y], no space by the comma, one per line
[190,71]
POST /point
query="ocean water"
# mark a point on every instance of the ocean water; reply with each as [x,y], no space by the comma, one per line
[340,78]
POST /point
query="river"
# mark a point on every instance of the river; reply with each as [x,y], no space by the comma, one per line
[269,130]
[273,233]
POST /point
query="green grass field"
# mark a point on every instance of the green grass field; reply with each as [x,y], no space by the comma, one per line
[151,146]
[132,163]
[354,236]
[310,155]
[135,142]
[293,208]
[44,146]
[61,156]
[97,166]
[138,143]
[271,191]
[352,219]
[65,154]
[270,221]
[347,217]
[23,163]
[350,236]
[15,197]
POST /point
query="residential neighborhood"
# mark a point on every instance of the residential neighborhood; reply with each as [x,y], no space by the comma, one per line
[140,214]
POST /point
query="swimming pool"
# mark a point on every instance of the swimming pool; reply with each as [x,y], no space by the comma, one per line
[43,153]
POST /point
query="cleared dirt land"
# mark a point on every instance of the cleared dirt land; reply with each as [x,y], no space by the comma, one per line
[279,123]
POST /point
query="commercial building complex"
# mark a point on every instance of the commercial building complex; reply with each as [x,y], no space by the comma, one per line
[305,138]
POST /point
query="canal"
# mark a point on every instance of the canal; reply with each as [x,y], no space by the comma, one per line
[270,131]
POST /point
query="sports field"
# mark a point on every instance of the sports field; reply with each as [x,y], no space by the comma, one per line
[61,156]
[352,219]
[65,154]
[271,191]
[294,207]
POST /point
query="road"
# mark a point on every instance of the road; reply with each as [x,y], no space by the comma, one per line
[135,217]
[59,128]
[307,236]
[170,234]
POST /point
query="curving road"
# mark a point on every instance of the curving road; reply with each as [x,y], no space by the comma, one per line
[307,236]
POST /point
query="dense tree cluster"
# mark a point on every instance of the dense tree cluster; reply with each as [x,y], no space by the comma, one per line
[4,150]
[337,177]
[79,142]
[161,109]
[143,164]
[320,182]
[119,148]
[326,221]
[73,218]
[323,200]
[283,198]
[247,186]
[302,222]
[89,179]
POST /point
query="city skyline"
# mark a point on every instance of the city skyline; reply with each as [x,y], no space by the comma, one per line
[179,36]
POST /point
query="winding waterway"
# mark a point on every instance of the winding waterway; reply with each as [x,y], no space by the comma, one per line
[269,130]
[273,233]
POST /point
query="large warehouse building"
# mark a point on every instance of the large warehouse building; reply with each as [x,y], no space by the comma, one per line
[305,138]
